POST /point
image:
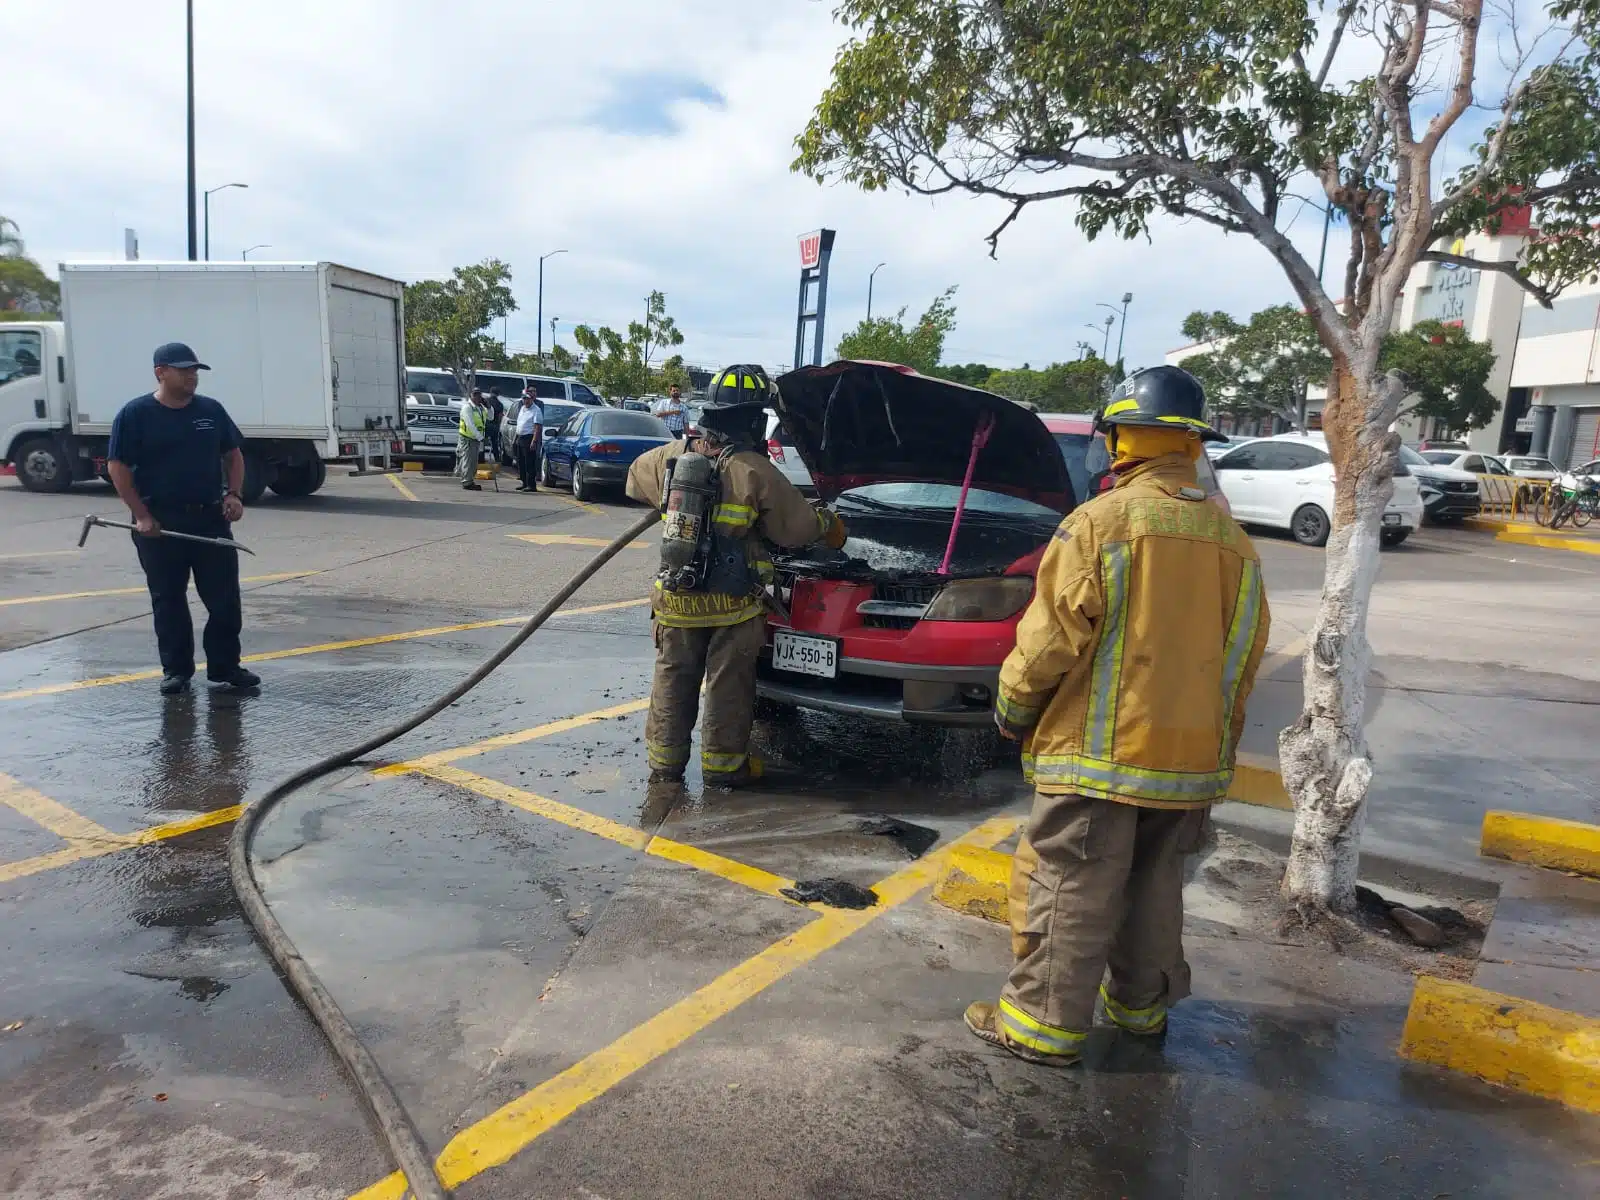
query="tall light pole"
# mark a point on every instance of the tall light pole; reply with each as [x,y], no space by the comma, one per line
[244,254]
[538,322]
[1122,330]
[223,188]
[875,270]
[1105,348]
[553,321]
[193,241]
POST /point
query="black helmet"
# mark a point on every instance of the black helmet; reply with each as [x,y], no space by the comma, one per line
[736,405]
[1160,397]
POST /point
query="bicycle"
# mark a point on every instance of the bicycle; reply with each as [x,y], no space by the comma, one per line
[1569,500]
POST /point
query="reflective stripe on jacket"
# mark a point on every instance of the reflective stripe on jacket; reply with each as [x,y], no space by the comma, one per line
[474,420]
[1137,654]
[758,504]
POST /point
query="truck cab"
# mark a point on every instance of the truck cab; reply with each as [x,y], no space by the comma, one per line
[35,405]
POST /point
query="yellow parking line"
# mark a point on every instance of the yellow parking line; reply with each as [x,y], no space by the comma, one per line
[55,689]
[590,508]
[443,757]
[139,591]
[510,1129]
[636,839]
[1282,658]
[567,539]
[54,816]
[402,487]
[114,843]
[38,554]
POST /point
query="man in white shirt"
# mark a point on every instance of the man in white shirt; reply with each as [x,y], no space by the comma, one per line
[530,430]
[670,410]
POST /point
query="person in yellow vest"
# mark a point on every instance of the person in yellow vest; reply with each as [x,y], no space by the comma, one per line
[1127,688]
[469,442]
[714,629]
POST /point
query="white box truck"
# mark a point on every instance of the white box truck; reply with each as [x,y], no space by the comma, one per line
[308,359]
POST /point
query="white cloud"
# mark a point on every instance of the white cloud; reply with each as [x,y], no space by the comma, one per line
[406,136]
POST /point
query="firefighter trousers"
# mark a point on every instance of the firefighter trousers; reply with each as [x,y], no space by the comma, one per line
[725,657]
[1096,884]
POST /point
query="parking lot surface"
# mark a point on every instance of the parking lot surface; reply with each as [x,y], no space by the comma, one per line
[585,987]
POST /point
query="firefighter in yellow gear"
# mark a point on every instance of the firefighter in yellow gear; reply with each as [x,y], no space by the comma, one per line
[715,630]
[1127,687]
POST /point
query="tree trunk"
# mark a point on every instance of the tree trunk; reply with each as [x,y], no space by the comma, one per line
[1323,755]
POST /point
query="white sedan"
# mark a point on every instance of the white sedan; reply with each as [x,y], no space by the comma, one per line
[1286,482]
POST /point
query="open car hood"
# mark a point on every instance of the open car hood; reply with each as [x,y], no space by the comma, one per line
[855,423]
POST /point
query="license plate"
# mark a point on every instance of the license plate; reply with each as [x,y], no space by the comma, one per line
[1392,518]
[433,439]
[805,655]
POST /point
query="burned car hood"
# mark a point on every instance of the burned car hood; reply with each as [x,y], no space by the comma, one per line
[855,423]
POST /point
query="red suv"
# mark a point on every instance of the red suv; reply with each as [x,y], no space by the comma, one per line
[878,628]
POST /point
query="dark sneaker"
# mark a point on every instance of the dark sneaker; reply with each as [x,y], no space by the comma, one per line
[237,679]
[174,685]
[472,487]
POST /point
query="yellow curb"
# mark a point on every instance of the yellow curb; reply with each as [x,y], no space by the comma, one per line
[1584,545]
[1256,781]
[975,882]
[411,465]
[1542,841]
[1515,1043]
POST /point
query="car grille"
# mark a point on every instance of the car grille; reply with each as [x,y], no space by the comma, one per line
[440,420]
[916,595]
[1460,485]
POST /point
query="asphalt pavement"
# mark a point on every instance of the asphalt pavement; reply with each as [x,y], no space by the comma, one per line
[583,987]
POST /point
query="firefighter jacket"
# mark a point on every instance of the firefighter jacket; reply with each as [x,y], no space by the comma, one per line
[1134,660]
[758,506]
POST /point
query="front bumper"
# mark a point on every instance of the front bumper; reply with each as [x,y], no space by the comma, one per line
[1453,506]
[888,691]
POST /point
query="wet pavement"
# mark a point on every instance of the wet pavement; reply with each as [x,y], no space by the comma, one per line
[583,987]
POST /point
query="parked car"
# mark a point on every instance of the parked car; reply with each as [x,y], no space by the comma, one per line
[786,458]
[428,386]
[1218,449]
[874,629]
[1089,464]
[431,430]
[1286,482]
[1589,470]
[1530,466]
[1470,461]
[595,448]
[1449,495]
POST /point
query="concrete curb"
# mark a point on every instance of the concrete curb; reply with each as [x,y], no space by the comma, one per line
[975,882]
[1542,842]
[1501,1039]
[1520,533]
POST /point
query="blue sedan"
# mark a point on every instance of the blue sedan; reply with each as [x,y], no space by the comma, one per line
[596,446]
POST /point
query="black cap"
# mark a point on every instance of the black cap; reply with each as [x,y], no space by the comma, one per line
[176,354]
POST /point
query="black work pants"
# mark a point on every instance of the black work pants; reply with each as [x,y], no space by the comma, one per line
[494,441]
[168,563]
[528,459]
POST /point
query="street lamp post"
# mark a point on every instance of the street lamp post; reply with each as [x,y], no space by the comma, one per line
[875,271]
[553,321]
[244,254]
[1122,330]
[193,246]
[1105,346]
[223,188]
[538,322]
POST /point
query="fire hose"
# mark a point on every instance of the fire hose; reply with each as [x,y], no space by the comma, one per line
[405,1144]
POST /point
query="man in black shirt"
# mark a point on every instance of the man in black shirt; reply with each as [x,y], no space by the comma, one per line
[166,460]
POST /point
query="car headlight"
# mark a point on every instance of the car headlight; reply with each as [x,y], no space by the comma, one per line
[981,599]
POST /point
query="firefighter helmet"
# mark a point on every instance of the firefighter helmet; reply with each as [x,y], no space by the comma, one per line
[736,405]
[1160,397]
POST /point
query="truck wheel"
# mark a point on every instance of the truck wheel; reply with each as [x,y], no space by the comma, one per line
[255,478]
[301,479]
[42,466]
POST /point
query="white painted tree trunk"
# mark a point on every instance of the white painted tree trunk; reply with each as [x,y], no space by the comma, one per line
[1323,755]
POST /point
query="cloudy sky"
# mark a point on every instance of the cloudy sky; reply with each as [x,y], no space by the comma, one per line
[651,141]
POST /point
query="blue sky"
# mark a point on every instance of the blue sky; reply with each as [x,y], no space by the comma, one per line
[650,141]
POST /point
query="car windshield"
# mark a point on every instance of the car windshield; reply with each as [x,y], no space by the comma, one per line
[628,424]
[439,383]
[503,386]
[1075,453]
[1441,458]
[1412,459]
[943,496]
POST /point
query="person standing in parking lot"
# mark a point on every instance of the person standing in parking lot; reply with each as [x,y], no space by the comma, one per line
[530,430]
[168,454]
[469,443]
[1127,688]
[670,411]
[497,414]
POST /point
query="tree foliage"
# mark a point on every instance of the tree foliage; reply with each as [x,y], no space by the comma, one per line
[1263,367]
[1077,386]
[889,339]
[25,289]
[972,374]
[618,365]
[447,319]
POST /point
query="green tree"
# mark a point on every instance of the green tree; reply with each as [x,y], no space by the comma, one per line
[1077,386]
[1225,112]
[1446,374]
[972,374]
[447,319]
[672,373]
[887,339]
[619,365]
[25,289]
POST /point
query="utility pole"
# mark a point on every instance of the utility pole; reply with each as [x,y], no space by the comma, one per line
[224,187]
[538,320]
[875,270]
[1127,299]
[194,247]
[1105,348]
